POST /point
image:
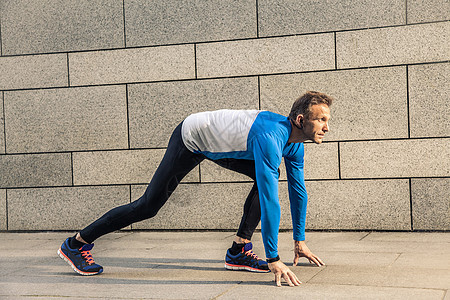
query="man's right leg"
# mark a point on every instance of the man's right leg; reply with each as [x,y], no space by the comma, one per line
[178,161]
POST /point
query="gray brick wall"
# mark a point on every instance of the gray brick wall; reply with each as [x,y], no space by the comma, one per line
[91,90]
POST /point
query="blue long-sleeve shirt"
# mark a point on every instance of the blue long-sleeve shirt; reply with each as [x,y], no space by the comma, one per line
[261,136]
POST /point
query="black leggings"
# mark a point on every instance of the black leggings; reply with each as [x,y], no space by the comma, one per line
[177,162]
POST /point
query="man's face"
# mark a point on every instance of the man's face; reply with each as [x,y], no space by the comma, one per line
[316,124]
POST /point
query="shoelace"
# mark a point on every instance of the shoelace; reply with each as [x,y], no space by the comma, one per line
[88,257]
[252,254]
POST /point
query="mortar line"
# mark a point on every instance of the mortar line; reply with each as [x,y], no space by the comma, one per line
[365,236]
[229,236]
[320,271]
[407,102]
[257,19]
[68,71]
[1,41]
[195,61]
[226,291]
[411,205]
[124,233]
[7,211]
[124,25]
[335,51]
[131,225]
[128,116]
[71,167]
[398,256]
[259,93]
[339,159]
[4,120]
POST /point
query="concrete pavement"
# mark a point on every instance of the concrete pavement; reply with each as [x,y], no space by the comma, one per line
[189,265]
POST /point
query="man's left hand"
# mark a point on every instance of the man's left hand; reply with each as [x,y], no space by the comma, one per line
[301,250]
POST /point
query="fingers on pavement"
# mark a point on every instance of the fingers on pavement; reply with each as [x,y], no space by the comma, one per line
[289,277]
[296,260]
[278,279]
[317,261]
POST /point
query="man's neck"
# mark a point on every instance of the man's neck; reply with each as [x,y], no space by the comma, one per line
[297,135]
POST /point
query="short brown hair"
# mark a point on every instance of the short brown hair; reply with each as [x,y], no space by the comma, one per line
[303,104]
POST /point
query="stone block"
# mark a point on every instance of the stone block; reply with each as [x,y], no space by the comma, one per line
[430,203]
[353,204]
[169,22]
[321,162]
[70,119]
[211,172]
[33,170]
[3,215]
[428,11]
[406,238]
[364,108]
[429,91]
[395,158]
[325,290]
[327,240]
[265,56]
[65,25]
[155,109]
[65,208]
[119,167]
[294,17]
[199,206]
[35,71]
[132,65]
[435,261]
[393,46]
[355,258]
[377,205]
[407,277]
[144,279]
[394,246]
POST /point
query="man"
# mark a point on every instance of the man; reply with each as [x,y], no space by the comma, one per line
[251,142]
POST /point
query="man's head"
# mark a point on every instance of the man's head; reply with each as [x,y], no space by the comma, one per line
[310,114]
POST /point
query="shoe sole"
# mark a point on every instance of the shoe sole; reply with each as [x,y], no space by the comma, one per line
[242,267]
[66,259]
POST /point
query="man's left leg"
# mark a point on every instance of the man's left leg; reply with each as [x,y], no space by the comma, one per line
[240,256]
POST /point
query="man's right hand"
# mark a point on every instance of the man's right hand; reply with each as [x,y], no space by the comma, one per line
[282,271]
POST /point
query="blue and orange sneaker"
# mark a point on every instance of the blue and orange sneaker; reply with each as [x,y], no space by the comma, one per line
[246,260]
[80,259]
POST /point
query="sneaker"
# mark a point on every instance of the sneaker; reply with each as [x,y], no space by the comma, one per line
[81,259]
[246,260]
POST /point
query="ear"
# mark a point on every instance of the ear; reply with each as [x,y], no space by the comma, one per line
[299,121]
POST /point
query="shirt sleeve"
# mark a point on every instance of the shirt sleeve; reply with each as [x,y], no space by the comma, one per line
[267,153]
[297,195]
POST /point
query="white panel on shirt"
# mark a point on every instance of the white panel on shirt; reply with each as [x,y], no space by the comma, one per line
[218,131]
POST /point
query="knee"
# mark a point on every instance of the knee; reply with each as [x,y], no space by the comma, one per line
[143,208]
